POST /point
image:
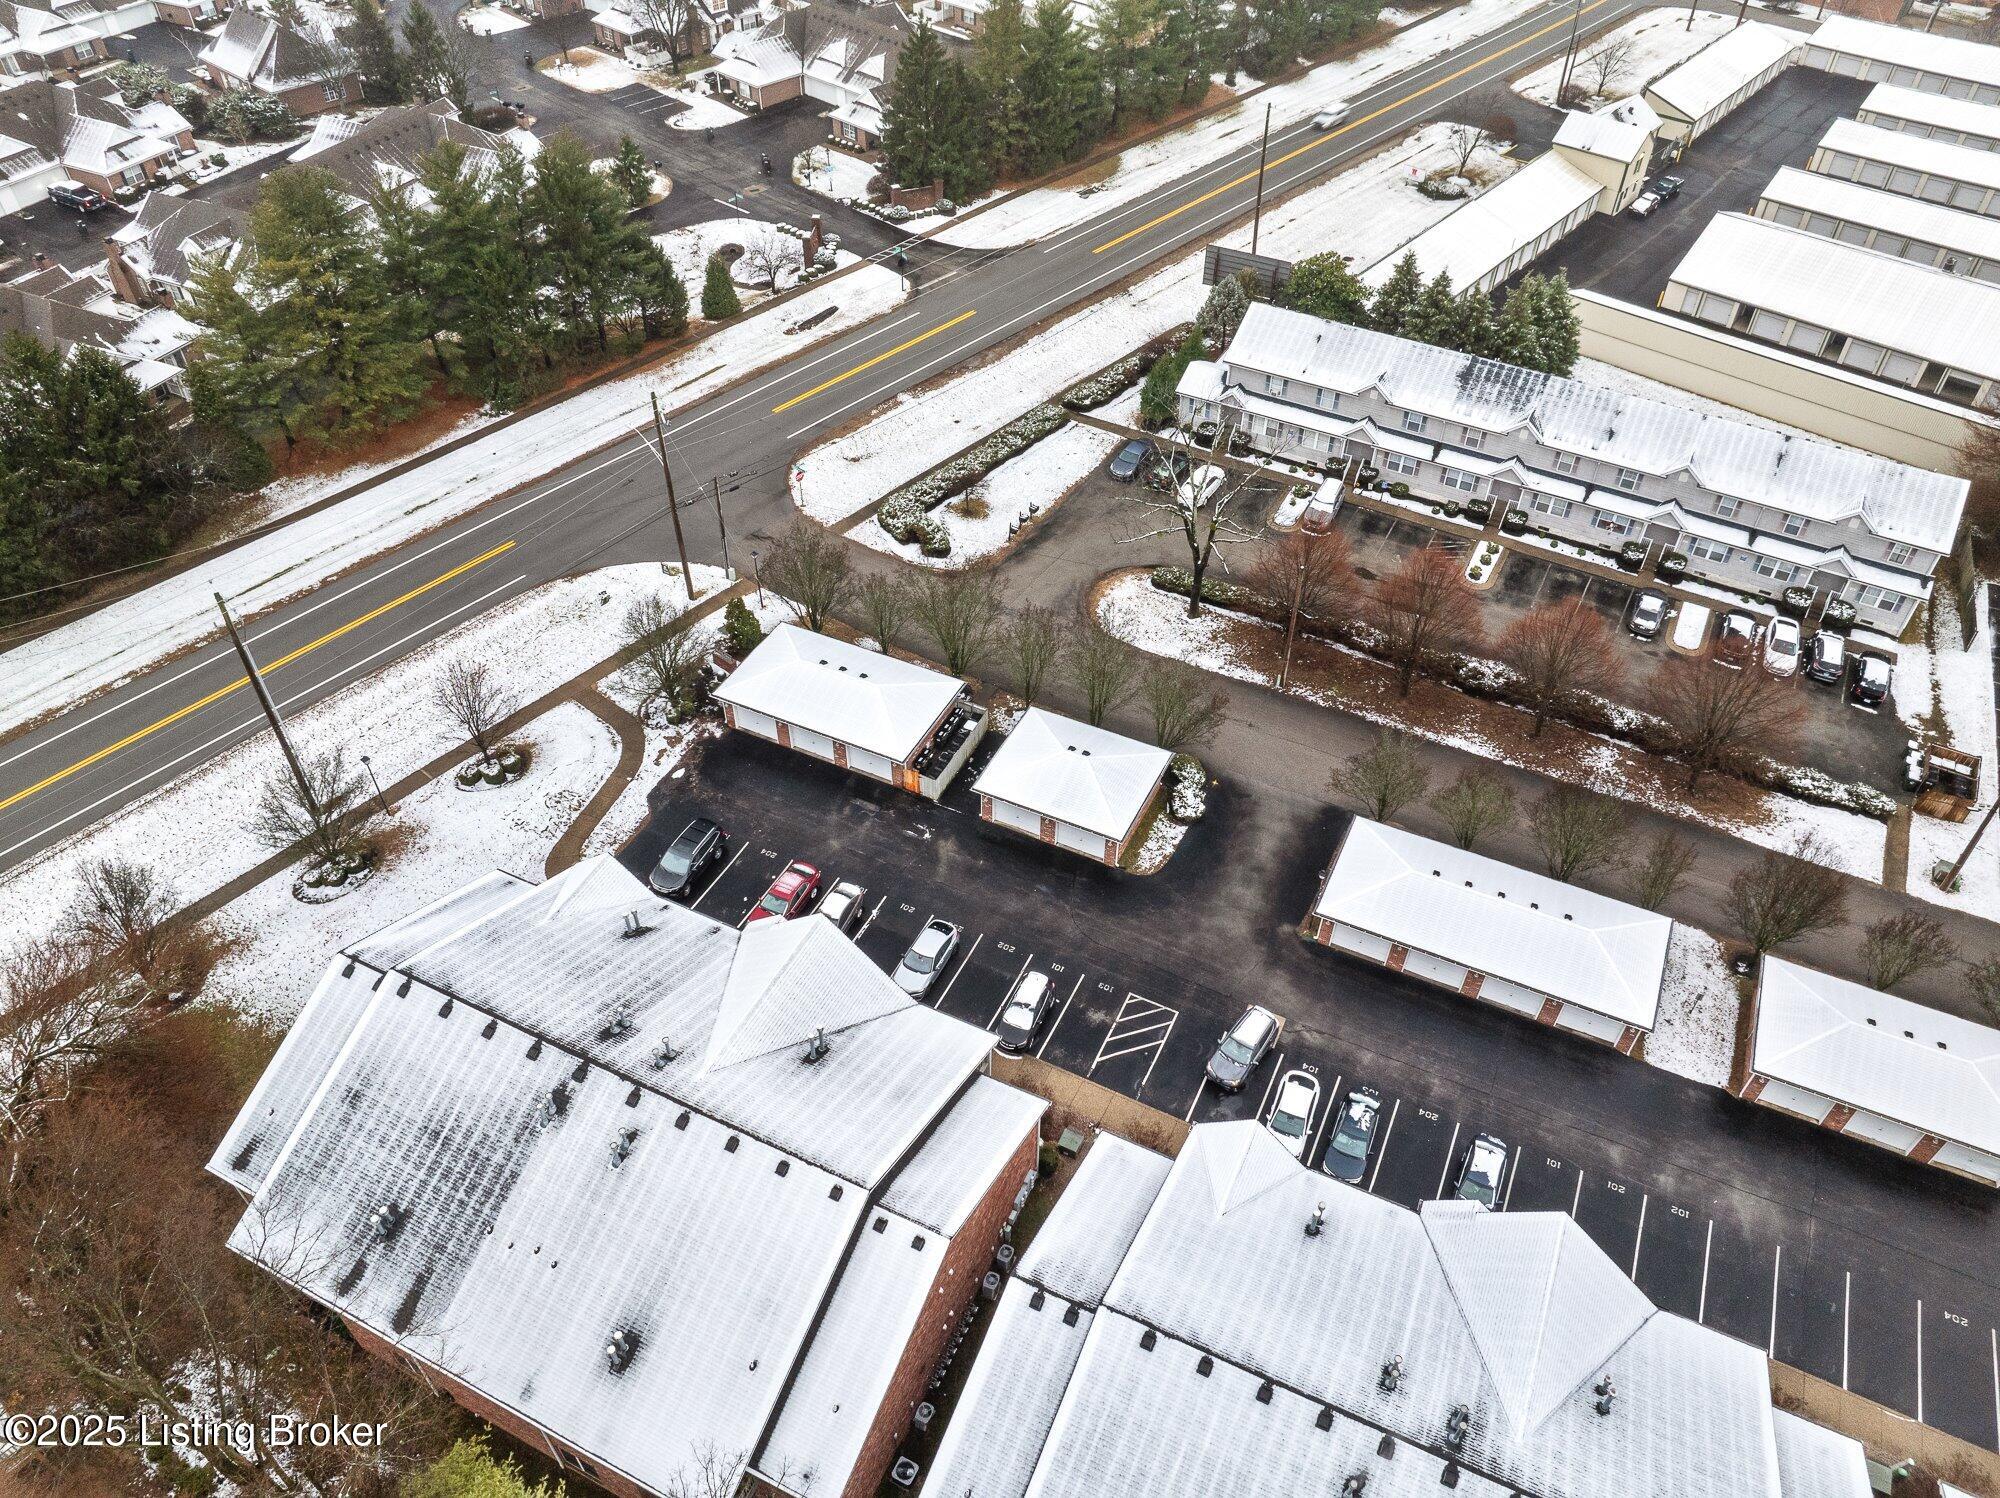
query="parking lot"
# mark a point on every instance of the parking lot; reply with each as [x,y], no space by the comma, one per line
[1862,1268]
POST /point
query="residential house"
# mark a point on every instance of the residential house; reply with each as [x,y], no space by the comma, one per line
[308,74]
[387,149]
[837,52]
[190,13]
[151,258]
[40,37]
[644,1190]
[66,311]
[639,25]
[97,138]
[1752,509]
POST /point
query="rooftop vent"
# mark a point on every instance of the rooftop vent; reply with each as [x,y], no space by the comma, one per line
[1265,1390]
[621,1349]
[1607,1394]
[489,1029]
[1206,1366]
[556,1104]
[681,1119]
[663,1053]
[386,1221]
[1039,1299]
[444,1010]
[1386,1447]
[620,1023]
[1149,1339]
[1392,1375]
[816,1049]
[1324,1419]
[632,1098]
[635,925]
[1355,1486]
[1070,1316]
[1457,1426]
[403,989]
[1316,1224]
[1449,1477]
[621,1147]
[784,1168]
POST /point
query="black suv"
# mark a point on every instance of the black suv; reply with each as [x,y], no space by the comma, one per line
[699,847]
[76,195]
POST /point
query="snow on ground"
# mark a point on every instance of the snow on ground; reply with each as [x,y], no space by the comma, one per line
[1964,680]
[206,169]
[1042,477]
[533,644]
[833,174]
[1147,168]
[1374,204]
[1162,838]
[1156,622]
[689,249]
[489,20]
[1658,39]
[1695,1033]
[591,71]
[126,637]
[453,837]
[704,111]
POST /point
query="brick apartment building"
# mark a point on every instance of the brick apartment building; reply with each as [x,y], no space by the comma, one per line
[648,1192]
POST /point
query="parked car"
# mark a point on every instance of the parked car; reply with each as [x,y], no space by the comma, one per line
[698,849]
[1237,1054]
[1868,687]
[1646,204]
[846,905]
[1292,1114]
[1736,639]
[1354,1136]
[789,895]
[1199,487]
[1781,647]
[929,955]
[1027,1007]
[1168,470]
[1479,1172]
[1131,457]
[76,195]
[1826,657]
[1320,512]
[1332,115]
[1668,187]
[1649,613]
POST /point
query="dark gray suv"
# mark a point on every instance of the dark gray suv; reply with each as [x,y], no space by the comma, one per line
[699,847]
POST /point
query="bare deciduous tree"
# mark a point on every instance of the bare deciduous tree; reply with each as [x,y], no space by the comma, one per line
[1186,711]
[1784,896]
[809,566]
[1983,978]
[1579,832]
[1563,655]
[1607,64]
[473,701]
[674,20]
[57,1013]
[1316,569]
[287,815]
[667,658]
[1901,946]
[766,251]
[1667,861]
[126,912]
[1713,718]
[1474,804]
[1463,140]
[1104,669]
[1383,778]
[1425,612]
[1194,508]
[883,601]
[1036,641]
[959,611]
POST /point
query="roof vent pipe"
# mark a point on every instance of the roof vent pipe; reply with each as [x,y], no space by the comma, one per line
[1607,1394]
[1392,1375]
[1316,1224]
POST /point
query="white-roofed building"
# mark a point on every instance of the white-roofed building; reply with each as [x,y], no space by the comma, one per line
[1064,782]
[1871,313]
[1614,145]
[1961,177]
[1958,122]
[1561,955]
[1965,244]
[863,710]
[1454,1349]
[1906,57]
[1918,1081]
[307,71]
[1707,88]
[644,1200]
[1594,466]
[837,52]
[1504,228]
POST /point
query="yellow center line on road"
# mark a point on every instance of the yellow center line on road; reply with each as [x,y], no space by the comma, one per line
[868,364]
[242,681]
[1332,135]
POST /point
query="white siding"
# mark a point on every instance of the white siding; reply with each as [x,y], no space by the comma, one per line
[762,724]
[868,762]
[1078,840]
[812,741]
[1886,1132]
[1361,943]
[1783,1095]
[1007,814]
[1971,1161]
[1588,1022]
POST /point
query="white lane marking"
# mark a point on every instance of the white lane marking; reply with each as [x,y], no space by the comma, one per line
[997,1008]
[1382,1153]
[1993,1340]
[1325,1120]
[1277,1071]
[1846,1305]
[1060,1013]
[1701,1311]
[1507,1196]
[871,919]
[1576,1200]
[724,874]
[1644,1198]
[1449,1150]
[963,963]
[1920,1362]
[1777,1264]
[1129,1033]
[1158,1050]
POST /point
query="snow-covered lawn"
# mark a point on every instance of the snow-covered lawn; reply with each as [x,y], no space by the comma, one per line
[833,174]
[205,168]
[591,71]
[1038,478]
[689,249]
[1140,614]
[195,827]
[134,633]
[447,837]
[1372,208]
[1162,838]
[1147,168]
[1695,1032]
[1656,40]
[489,20]
[704,111]
[1964,680]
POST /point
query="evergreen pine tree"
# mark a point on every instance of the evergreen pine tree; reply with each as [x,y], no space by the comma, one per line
[1323,286]
[630,172]
[1556,325]
[1124,33]
[1158,402]
[718,292]
[1222,314]
[1517,337]
[1059,89]
[1396,298]
[436,63]
[998,62]
[654,287]
[385,73]
[1478,331]
[1434,319]
[930,120]
[579,218]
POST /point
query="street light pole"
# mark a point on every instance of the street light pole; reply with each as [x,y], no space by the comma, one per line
[673,508]
[1986,821]
[758,575]
[271,712]
[376,783]
[1263,150]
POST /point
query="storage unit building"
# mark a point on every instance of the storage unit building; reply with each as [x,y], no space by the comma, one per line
[1064,782]
[1704,90]
[1908,58]
[1966,244]
[1505,227]
[1918,1081]
[1963,177]
[1562,955]
[1958,122]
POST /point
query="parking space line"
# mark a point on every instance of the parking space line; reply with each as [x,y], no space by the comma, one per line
[1576,1200]
[1644,1198]
[1920,1362]
[1165,1024]
[1155,1061]
[871,918]
[1383,1153]
[1708,1243]
[1507,1196]
[963,963]
[1445,1169]
[1846,1305]
[1777,1263]
[1277,1071]
[1195,1101]
[1010,990]
[1059,1015]
[1993,1341]
[719,877]
[1130,1050]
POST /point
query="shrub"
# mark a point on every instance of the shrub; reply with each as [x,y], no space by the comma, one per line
[1400,489]
[1514,522]
[1631,554]
[1111,382]
[899,516]
[1795,601]
[960,473]
[1216,590]
[740,628]
[932,537]
[1187,798]
[1479,508]
[244,115]
[1837,614]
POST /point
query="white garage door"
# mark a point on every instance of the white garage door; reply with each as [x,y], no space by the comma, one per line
[868,762]
[1795,1100]
[762,724]
[1511,996]
[1972,1161]
[1078,840]
[1587,1022]
[1007,814]
[1899,1137]
[811,741]
[1362,943]
[1449,974]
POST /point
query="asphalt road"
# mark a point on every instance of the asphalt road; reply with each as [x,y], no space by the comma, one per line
[89,761]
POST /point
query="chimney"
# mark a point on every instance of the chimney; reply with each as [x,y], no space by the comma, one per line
[126,286]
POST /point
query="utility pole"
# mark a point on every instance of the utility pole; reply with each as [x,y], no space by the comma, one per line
[1292,627]
[1690,24]
[716,483]
[1986,821]
[1569,51]
[673,508]
[1263,150]
[271,712]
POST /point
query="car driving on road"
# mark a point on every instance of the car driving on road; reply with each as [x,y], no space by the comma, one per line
[929,955]
[1238,1052]
[1480,1171]
[846,905]
[1332,115]
[699,848]
[1292,1114]
[1027,1007]
[1354,1135]
[789,895]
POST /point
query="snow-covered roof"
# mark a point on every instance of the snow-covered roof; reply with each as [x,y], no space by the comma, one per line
[1918,106]
[1088,777]
[1876,1052]
[485,1155]
[1813,1459]
[1231,1341]
[1077,1252]
[756,58]
[268,55]
[1477,238]
[863,698]
[1620,131]
[1554,938]
[1851,202]
[1707,79]
[1880,299]
[1905,46]
[1916,153]
[619,21]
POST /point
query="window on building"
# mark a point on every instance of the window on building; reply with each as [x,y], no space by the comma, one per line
[1795,525]
[1474,438]
[334,92]
[1900,553]
[1775,569]
[1706,550]
[1458,479]
[1274,384]
[1617,525]
[1548,504]
[1402,463]
[1565,463]
[1960,388]
[1872,597]
[1727,505]
[1326,400]
[1413,421]
[1628,480]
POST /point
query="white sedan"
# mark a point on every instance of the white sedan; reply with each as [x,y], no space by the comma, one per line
[1781,647]
[1291,1116]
